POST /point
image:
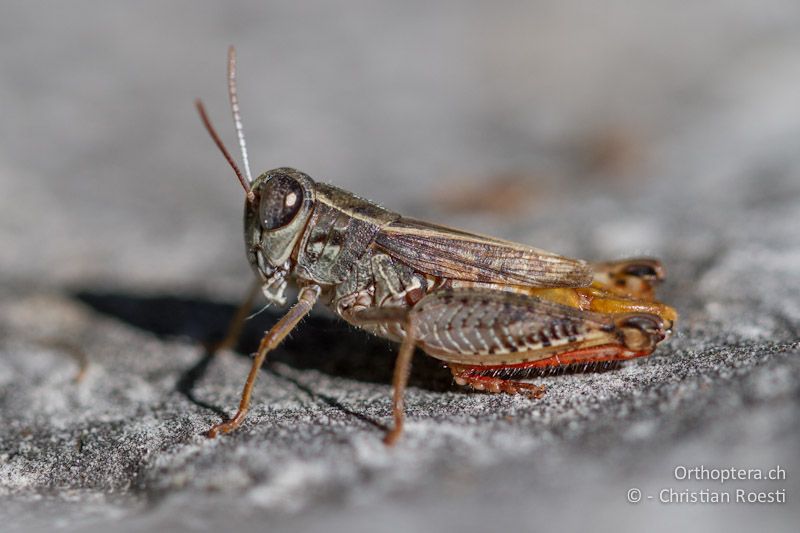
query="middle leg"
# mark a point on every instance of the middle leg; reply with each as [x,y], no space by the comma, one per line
[402,368]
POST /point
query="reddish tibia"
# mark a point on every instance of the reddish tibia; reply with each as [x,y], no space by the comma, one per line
[595,354]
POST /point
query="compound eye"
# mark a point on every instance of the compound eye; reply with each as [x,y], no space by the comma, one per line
[281,198]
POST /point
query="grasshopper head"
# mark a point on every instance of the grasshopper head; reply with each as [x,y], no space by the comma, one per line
[274,220]
[278,204]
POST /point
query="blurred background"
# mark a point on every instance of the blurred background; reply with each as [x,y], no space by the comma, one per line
[536,113]
[594,129]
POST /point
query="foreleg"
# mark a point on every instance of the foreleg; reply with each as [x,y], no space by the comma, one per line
[305,302]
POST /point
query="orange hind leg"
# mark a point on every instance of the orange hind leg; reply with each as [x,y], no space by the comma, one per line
[472,377]
[626,286]
[484,378]
[634,278]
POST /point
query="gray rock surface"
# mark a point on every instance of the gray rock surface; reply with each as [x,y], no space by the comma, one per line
[611,129]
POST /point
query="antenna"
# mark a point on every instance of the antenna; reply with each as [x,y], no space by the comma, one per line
[211,131]
[237,119]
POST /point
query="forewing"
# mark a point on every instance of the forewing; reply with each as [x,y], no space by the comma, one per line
[452,253]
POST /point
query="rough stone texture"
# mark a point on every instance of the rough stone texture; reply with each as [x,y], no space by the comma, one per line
[628,128]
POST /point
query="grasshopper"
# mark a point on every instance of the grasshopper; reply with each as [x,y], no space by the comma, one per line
[485,307]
